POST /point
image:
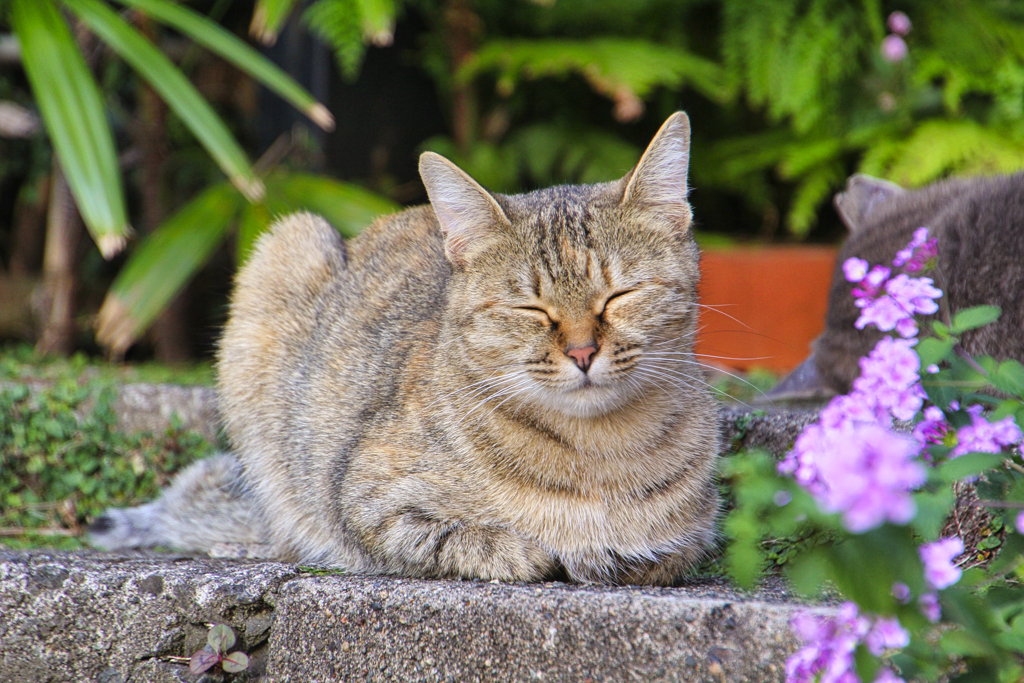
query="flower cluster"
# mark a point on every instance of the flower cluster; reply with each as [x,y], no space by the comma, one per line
[853,463]
[890,303]
[859,469]
[921,254]
[850,461]
[980,436]
[830,642]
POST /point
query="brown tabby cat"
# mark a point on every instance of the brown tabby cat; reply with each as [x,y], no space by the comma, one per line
[979,223]
[489,386]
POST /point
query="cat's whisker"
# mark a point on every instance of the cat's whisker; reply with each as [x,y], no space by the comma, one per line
[707,367]
[697,379]
[493,385]
[514,387]
[731,317]
[461,389]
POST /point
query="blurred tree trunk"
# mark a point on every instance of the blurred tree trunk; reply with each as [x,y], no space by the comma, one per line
[463,37]
[170,331]
[29,235]
[64,230]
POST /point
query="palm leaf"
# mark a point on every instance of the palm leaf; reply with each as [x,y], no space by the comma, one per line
[72,109]
[267,19]
[347,207]
[216,39]
[163,263]
[180,95]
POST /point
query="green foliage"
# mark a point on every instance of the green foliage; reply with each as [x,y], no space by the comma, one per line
[21,364]
[172,254]
[542,155]
[625,70]
[62,460]
[347,25]
[981,636]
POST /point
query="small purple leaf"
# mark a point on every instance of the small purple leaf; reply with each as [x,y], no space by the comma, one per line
[203,660]
[221,638]
[235,662]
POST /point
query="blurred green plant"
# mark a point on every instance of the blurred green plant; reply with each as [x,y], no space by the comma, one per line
[168,258]
[72,109]
[796,94]
[942,95]
[63,462]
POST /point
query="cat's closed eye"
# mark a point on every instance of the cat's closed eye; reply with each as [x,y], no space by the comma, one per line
[537,312]
[617,296]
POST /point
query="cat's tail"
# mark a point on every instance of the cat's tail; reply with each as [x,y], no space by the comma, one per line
[207,506]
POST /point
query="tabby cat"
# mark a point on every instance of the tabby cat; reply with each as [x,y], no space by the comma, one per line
[488,386]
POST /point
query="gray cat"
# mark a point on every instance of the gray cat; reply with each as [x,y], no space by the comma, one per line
[979,223]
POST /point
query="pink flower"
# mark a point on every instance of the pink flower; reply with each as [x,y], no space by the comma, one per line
[885,675]
[982,436]
[869,477]
[939,570]
[933,428]
[855,269]
[1020,522]
[894,49]
[830,643]
[899,22]
[929,604]
[901,592]
[886,634]
[872,282]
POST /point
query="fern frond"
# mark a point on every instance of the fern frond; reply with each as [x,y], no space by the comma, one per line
[939,147]
[625,70]
[347,25]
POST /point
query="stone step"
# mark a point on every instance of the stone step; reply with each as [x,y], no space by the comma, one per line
[116,618]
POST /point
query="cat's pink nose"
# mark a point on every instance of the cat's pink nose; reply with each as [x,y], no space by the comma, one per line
[582,356]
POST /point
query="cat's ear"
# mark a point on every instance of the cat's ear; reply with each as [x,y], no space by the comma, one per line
[863,196]
[658,182]
[467,212]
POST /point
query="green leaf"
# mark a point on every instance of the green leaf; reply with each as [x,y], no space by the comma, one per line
[180,95]
[932,510]
[163,263]
[267,19]
[203,660]
[347,207]
[216,39]
[933,351]
[72,109]
[221,638]
[620,68]
[967,465]
[963,643]
[971,318]
[235,662]
[1009,377]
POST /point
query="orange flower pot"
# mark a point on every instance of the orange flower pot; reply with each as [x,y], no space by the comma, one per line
[763,305]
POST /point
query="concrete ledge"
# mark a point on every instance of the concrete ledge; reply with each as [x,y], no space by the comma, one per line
[121,618]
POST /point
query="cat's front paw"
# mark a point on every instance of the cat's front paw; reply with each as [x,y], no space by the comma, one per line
[488,552]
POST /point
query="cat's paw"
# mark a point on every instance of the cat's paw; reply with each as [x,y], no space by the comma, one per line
[488,553]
